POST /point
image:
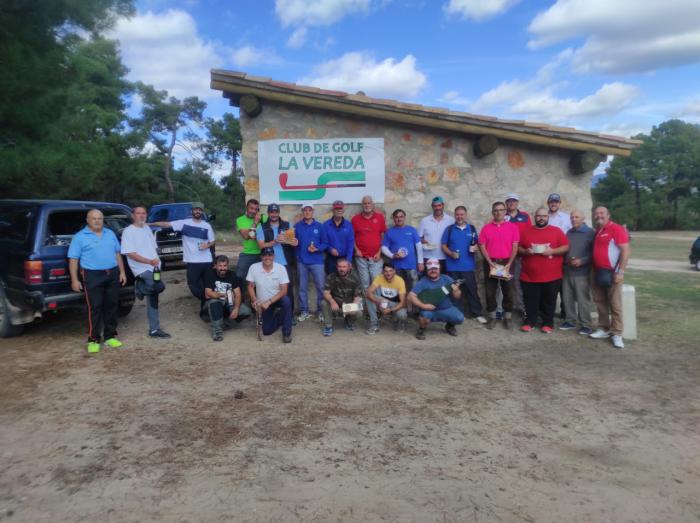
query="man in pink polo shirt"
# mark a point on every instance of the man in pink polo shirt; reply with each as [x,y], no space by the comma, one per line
[498,243]
[611,252]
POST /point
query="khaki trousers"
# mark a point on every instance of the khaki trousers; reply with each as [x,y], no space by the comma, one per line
[609,304]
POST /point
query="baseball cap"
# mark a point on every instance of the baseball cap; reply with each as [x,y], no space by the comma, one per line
[512,196]
[432,263]
[197,205]
[554,197]
[273,207]
[438,199]
[305,205]
[338,204]
[267,251]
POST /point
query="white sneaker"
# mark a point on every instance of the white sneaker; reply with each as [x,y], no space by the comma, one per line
[617,342]
[481,320]
[600,334]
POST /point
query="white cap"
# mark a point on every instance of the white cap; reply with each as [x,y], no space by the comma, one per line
[432,263]
[513,196]
[305,205]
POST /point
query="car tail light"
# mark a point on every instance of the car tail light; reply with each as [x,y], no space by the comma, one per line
[32,272]
[57,272]
[52,305]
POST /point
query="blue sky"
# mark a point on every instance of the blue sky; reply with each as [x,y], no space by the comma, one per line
[613,66]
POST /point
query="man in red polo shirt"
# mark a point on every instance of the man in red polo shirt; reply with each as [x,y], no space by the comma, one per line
[542,247]
[498,243]
[611,252]
[369,227]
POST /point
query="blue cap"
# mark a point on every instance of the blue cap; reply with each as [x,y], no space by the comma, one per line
[273,207]
[438,199]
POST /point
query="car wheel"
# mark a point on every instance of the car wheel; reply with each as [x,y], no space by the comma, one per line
[124,309]
[6,327]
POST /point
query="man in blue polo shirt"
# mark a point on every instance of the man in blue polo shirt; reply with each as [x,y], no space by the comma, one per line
[340,238]
[459,243]
[402,244]
[95,252]
[310,260]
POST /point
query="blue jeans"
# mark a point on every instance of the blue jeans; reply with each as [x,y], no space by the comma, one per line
[318,276]
[278,314]
[145,285]
[450,315]
[369,269]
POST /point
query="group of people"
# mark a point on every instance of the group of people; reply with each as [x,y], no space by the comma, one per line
[359,266]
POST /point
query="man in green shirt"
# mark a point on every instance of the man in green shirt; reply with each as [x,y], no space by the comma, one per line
[246,225]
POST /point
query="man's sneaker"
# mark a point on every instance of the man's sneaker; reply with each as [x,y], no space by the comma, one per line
[303,316]
[491,323]
[373,329]
[547,329]
[499,315]
[93,347]
[218,337]
[526,328]
[400,326]
[113,343]
[600,334]
[481,320]
[159,334]
[349,325]
[617,342]
[567,326]
[420,333]
[585,331]
[451,329]
[327,331]
[286,338]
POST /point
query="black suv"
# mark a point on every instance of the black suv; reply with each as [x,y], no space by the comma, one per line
[169,241]
[695,254]
[34,240]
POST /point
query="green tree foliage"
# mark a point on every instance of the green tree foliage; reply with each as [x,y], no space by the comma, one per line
[657,186]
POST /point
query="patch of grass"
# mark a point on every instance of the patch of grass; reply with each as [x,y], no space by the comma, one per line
[658,247]
[667,287]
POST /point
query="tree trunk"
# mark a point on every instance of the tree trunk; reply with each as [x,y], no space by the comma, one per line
[168,163]
[637,205]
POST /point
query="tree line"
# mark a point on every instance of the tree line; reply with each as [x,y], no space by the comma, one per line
[65,126]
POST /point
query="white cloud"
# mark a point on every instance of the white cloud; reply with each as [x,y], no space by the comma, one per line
[317,12]
[166,51]
[358,71]
[622,36]
[249,55]
[454,98]
[625,129]
[478,9]
[298,38]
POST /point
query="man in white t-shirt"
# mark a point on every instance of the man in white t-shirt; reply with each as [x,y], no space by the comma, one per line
[267,288]
[197,239]
[557,217]
[430,231]
[139,246]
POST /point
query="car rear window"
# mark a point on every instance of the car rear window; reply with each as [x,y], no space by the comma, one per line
[170,214]
[63,224]
[15,222]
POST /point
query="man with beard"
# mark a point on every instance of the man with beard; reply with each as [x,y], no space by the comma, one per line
[557,217]
[431,295]
[611,252]
[340,237]
[267,288]
[342,287]
[431,229]
[141,251]
[197,239]
[247,225]
[273,234]
[224,299]
[542,247]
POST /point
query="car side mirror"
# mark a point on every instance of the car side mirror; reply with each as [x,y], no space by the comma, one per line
[212,217]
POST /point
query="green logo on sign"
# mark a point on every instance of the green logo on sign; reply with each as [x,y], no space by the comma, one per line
[318,190]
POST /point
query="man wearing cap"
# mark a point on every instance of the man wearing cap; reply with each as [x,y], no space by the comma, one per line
[197,239]
[403,246]
[309,252]
[247,225]
[224,298]
[523,221]
[542,247]
[273,233]
[342,287]
[459,243]
[431,296]
[557,217]
[340,238]
[267,288]
[498,243]
[431,229]
[369,227]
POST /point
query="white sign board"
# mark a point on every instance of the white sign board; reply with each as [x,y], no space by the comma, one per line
[321,171]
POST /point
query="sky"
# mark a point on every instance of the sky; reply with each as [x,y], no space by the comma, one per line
[611,66]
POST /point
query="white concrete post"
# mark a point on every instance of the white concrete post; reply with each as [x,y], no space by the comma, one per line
[629,312]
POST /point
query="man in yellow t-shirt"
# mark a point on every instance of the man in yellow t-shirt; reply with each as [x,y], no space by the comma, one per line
[387,295]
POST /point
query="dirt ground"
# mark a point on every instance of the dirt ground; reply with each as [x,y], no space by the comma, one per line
[489,426]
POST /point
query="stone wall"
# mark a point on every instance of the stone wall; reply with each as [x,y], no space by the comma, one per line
[421,163]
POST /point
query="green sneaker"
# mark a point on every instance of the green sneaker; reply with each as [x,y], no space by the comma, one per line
[93,347]
[114,343]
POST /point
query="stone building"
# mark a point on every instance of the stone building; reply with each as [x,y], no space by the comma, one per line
[468,159]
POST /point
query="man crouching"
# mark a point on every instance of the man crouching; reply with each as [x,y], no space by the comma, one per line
[222,290]
[431,296]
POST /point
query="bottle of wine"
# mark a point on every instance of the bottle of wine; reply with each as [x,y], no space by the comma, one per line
[156,273]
